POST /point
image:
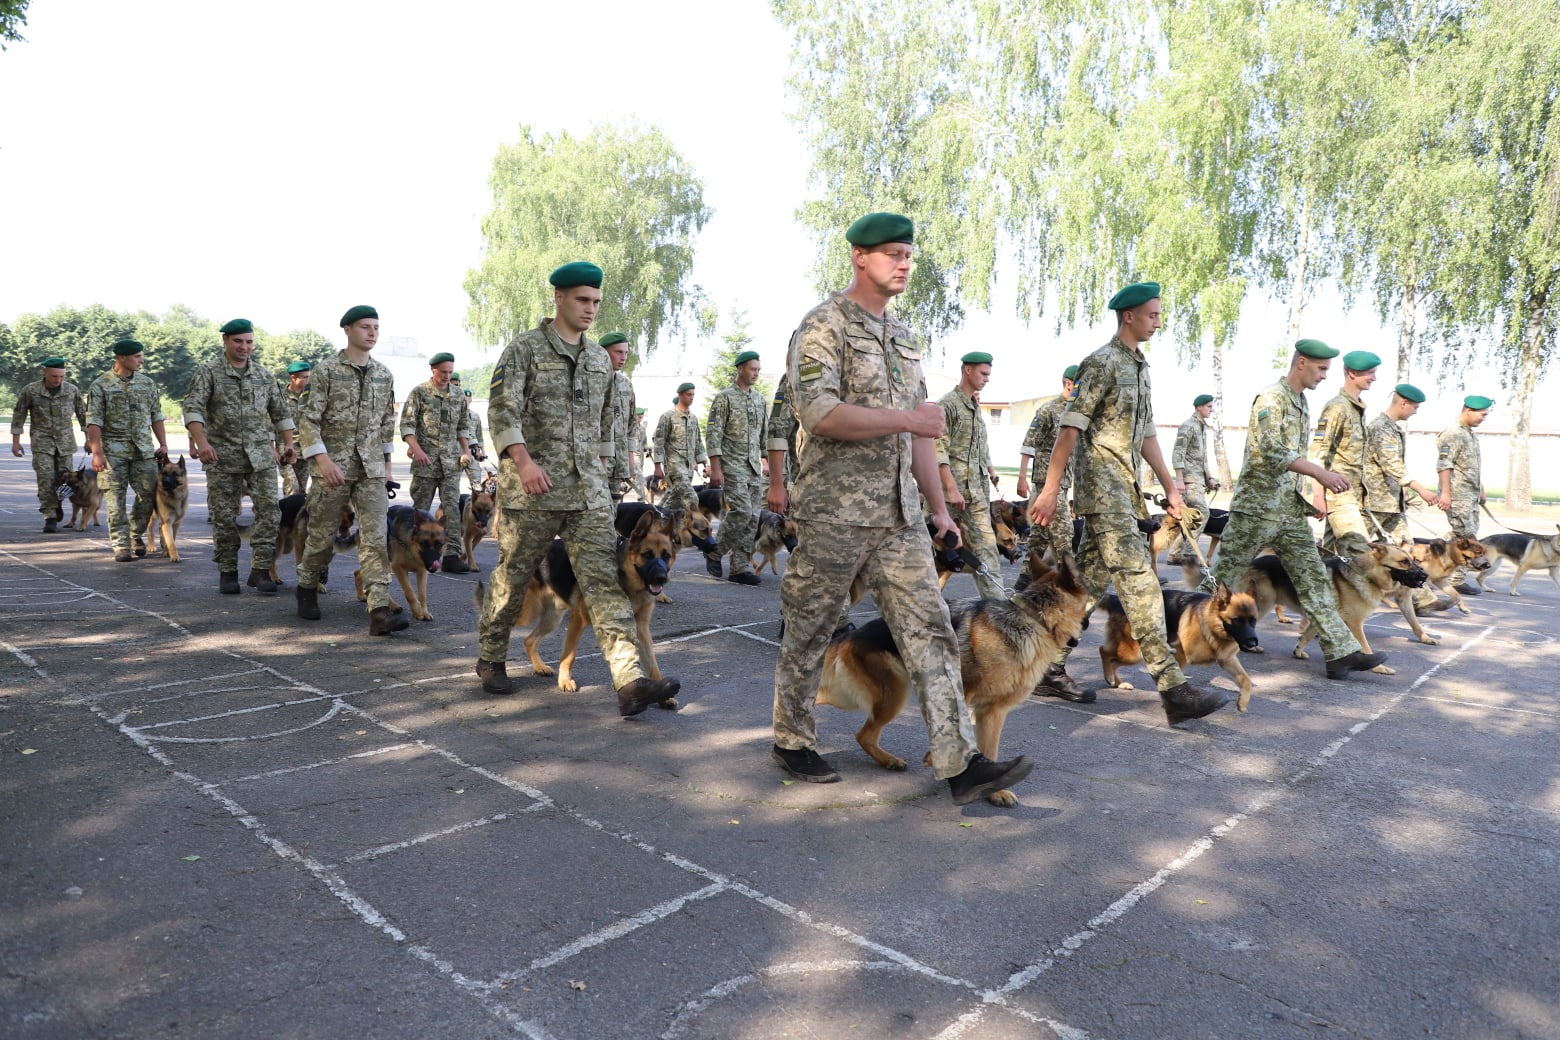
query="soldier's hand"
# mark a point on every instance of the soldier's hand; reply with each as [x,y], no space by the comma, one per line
[479,454]
[996,482]
[716,476]
[207,455]
[330,473]
[925,420]
[953,497]
[99,460]
[16,449]
[778,500]
[1173,502]
[1023,487]
[1334,482]
[534,479]
[417,455]
[944,525]
[1213,484]
[1044,507]
[161,455]
[289,456]
[465,461]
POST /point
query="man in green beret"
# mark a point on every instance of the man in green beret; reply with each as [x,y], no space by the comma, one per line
[1271,508]
[233,410]
[637,439]
[551,406]
[855,375]
[737,432]
[679,451]
[126,439]
[1460,473]
[1112,418]
[1386,476]
[1338,444]
[295,478]
[347,431]
[49,404]
[965,471]
[476,442]
[1192,464]
[623,405]
[436,426]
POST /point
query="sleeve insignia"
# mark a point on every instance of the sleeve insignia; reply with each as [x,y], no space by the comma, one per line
[807,371]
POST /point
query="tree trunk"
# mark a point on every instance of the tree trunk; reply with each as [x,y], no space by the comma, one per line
[1298,289]
[1519,480]
[1408,320]
[1220,454]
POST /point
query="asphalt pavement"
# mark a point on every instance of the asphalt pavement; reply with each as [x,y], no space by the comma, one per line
[219,820]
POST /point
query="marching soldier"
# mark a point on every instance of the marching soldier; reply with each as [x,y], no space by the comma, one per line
[623,405]
[737,434]
[126,439]
[636,453]
[679,451]
[436,426]
[1338,445]
[780,448]
[1189,462]
[964,468]
[1386,476]
[1459,471]
[48,406]
[295,477]
[477,441]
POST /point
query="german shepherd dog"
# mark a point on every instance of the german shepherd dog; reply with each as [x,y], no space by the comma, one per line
[86,498]
[1202,629]
[1360,583]
[1218,520]
[644,566]
[415,541]
[1004,646]
[171,502]
[476,517]
[775,532]
[1442,558]
[1159,529]
[1527,552]
[655,489]
[691,529]
[712,503]
[292,532]
[1010,523]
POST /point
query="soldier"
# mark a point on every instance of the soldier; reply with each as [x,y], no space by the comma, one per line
[295,477]
[737,431]
[552,425]
[1386,478]
[436,427]
[1338,445]
[477,441]
[232,410]
[1462,483]
[1189,462]
[48,405]
[855,373]
[1034,462]
[616,346]
[636,453]
[1270,509]
[679,451]
[964,469]
[780,448]
[348,431]
[124,422]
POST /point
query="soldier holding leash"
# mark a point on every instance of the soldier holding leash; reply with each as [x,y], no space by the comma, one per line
[49,405]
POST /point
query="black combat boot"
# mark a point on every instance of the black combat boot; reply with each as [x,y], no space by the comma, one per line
[804,764]
[1359,661]
[51,525]
[494,678]
[260,578]
[308,603]
[1057,683]
[384,620]
[227,583]
[1183,702]
[643,692]
[981,776]
[453,564]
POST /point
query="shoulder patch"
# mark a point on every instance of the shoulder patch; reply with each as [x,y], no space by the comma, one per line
[807,371]
[1263,414]
[497,382]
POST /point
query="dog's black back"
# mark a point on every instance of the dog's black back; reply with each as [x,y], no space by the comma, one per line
[712,501]
[1218,519]
[291,506]
[628,514]
[560,572]
[873,635]
[1509,545]
[1273,569]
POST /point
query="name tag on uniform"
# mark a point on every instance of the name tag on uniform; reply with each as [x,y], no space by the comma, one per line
[807,371]
[1127,382]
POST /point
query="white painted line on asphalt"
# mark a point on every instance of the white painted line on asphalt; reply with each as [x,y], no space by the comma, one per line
[130,691]
[1465,703]
[251,710]
[397,846]
[162,738]
[271,774]
[26,659]
[100,595]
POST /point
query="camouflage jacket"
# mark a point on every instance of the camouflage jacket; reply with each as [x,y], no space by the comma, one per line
[1190,454]
[1114,414]
[1276,436]
[623,406]
[963,447]
[1338,443]
[840,354]
[557,400]
[125,409]
[737,430]
[477,435]
[678,442]
[349,413]
[1040,438]
[243,411]
[636,433]
[1457,449]
[49,413]
[295,401]
[1384,469]
[438,419]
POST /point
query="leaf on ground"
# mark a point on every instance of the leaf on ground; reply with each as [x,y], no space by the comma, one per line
[191,859]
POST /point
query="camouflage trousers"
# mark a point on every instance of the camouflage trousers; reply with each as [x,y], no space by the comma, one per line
[370,501]
[1114,552]
[1347,532]
[1196,499]
[1464,517]
[295,478]
[975,531]
[524,537]
[47,466]
[1395,527]
[679,489]
[225,490]
[896,564]
[121,476]
[1057,536]
[1248,535]
[444,477]
[739,527]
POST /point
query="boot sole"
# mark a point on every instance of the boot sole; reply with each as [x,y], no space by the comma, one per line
[830,777]
[1180,715]
[1010,778]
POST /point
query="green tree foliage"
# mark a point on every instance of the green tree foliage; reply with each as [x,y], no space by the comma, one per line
[477,380]
[13,15]
[723,370]
[621,197]
[277,352]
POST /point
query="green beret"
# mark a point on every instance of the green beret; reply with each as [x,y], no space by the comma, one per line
[744,357]
[612,339]
[676,399]
[440,358]
[639,411]
[1202,399]
[1315,348]
[357,314]
[466,392]
[1070,372]
[976,357]
[1409,392]
[52,362]
[1478,403]
[1360,361]
[236,326]
[580,272]
[1133,295]
[685,386]
[876,228]
[128,346]
[298,366]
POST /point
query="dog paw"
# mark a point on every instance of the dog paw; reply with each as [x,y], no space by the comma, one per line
[1429,639]
[1301,654]
[1286,620]
[1382,669]
[424,616]
[1465,610]
[1122,684]
[541,669]
[568,685]
[1243,702]
[670,704]
[663,598]
[1006,799]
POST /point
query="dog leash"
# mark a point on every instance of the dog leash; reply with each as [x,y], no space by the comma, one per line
[1485,506]
[1186,532]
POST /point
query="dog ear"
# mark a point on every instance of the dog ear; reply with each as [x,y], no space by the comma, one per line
[1221,595]
[1438,547]
[182,468]
[646,523]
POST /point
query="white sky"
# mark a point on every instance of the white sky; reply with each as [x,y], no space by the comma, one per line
[284,161]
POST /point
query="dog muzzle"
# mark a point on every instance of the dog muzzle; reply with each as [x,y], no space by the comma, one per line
[654,575]
[433,567]
[790,545]
[1408,579]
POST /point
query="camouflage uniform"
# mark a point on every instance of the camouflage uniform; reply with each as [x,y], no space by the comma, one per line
[1114,413]
[242,409]
[964,450]
[1039,439]
[783,429]
[857,511]
[738,431]
[622,420]
[1190,456]
[679,447]
[124,410]
[1457,449]
[636,453]
[478,443]
[52,441]
[1339,445]
[350,415]
[295,478]
[1270,509]
[556,399]
[1385,494]
[438,419]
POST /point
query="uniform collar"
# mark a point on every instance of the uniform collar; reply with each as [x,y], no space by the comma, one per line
[1135,353]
